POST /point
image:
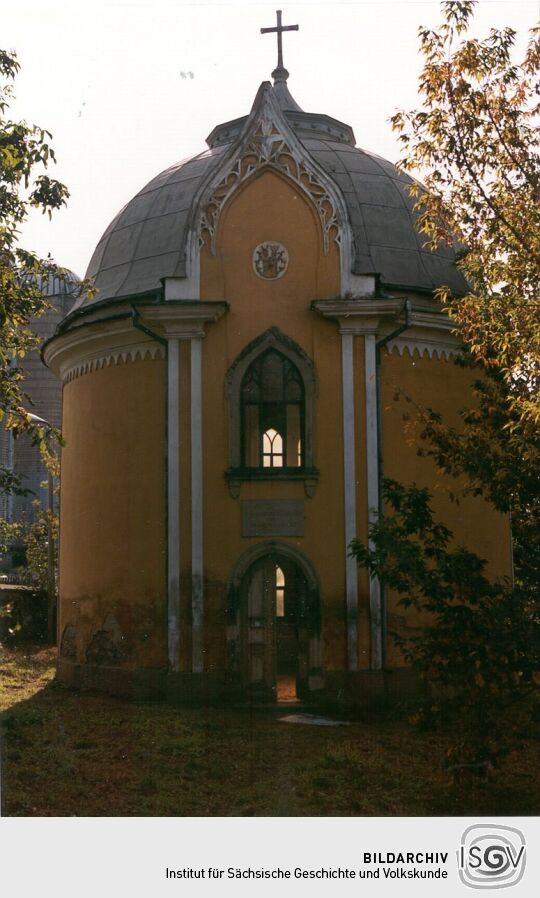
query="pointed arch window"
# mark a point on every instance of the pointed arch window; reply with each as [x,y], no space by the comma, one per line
[272,413]
[271,389]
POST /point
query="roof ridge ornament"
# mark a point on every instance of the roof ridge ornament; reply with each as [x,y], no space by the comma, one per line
[280,73]
[268,141]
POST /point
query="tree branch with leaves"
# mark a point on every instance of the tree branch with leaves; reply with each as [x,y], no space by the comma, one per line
[478,649]
[25,155]
[474,143]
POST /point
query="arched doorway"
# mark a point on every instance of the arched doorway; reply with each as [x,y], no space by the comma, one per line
[274,625]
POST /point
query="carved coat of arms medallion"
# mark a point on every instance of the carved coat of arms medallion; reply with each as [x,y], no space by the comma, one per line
[270,260]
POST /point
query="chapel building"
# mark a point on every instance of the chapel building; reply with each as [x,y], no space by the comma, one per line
[229,411]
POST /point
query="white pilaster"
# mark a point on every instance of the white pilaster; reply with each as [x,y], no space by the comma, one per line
[428,328]
[173,501]
[349,486]
[182,321]
[197,594]
[372,464]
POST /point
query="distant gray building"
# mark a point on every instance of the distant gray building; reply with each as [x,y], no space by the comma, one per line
[45,391]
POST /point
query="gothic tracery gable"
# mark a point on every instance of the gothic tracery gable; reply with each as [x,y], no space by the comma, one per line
[268,142]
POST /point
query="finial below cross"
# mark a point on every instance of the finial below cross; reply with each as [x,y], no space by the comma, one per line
[279,29]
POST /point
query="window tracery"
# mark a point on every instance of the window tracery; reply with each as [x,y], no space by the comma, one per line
[271,391]
[272,413]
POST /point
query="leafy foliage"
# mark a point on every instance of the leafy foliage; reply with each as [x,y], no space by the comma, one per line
[480,648]
[36,541]
[23,615]
[475,143]
[23,612]
[10,533]
[24,150]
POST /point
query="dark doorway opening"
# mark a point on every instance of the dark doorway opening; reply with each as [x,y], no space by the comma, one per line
[274,634]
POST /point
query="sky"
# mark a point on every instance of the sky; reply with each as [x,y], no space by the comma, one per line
[128,88]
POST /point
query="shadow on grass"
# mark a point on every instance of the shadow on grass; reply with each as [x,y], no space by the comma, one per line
[66,753]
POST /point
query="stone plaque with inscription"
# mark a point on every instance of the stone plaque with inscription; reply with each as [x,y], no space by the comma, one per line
[272,517]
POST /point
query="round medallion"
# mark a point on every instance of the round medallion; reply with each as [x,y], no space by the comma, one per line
[270,260]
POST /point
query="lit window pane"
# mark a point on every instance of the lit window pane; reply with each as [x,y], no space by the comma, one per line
[272,449]
[280,592]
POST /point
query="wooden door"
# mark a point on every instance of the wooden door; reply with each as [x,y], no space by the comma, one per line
[259,636]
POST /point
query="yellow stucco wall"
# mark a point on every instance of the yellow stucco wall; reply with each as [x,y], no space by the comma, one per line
[112,548]
[270,208]
[445,387]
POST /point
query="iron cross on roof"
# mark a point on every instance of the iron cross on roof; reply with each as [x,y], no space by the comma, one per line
[279,29]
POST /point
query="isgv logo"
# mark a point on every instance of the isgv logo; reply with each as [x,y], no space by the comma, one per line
[491,856]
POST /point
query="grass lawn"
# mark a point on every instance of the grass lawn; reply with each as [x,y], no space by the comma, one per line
[66,753]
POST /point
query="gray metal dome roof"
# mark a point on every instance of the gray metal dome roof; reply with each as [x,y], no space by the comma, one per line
[147,239]
[52,284]
[67,285]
